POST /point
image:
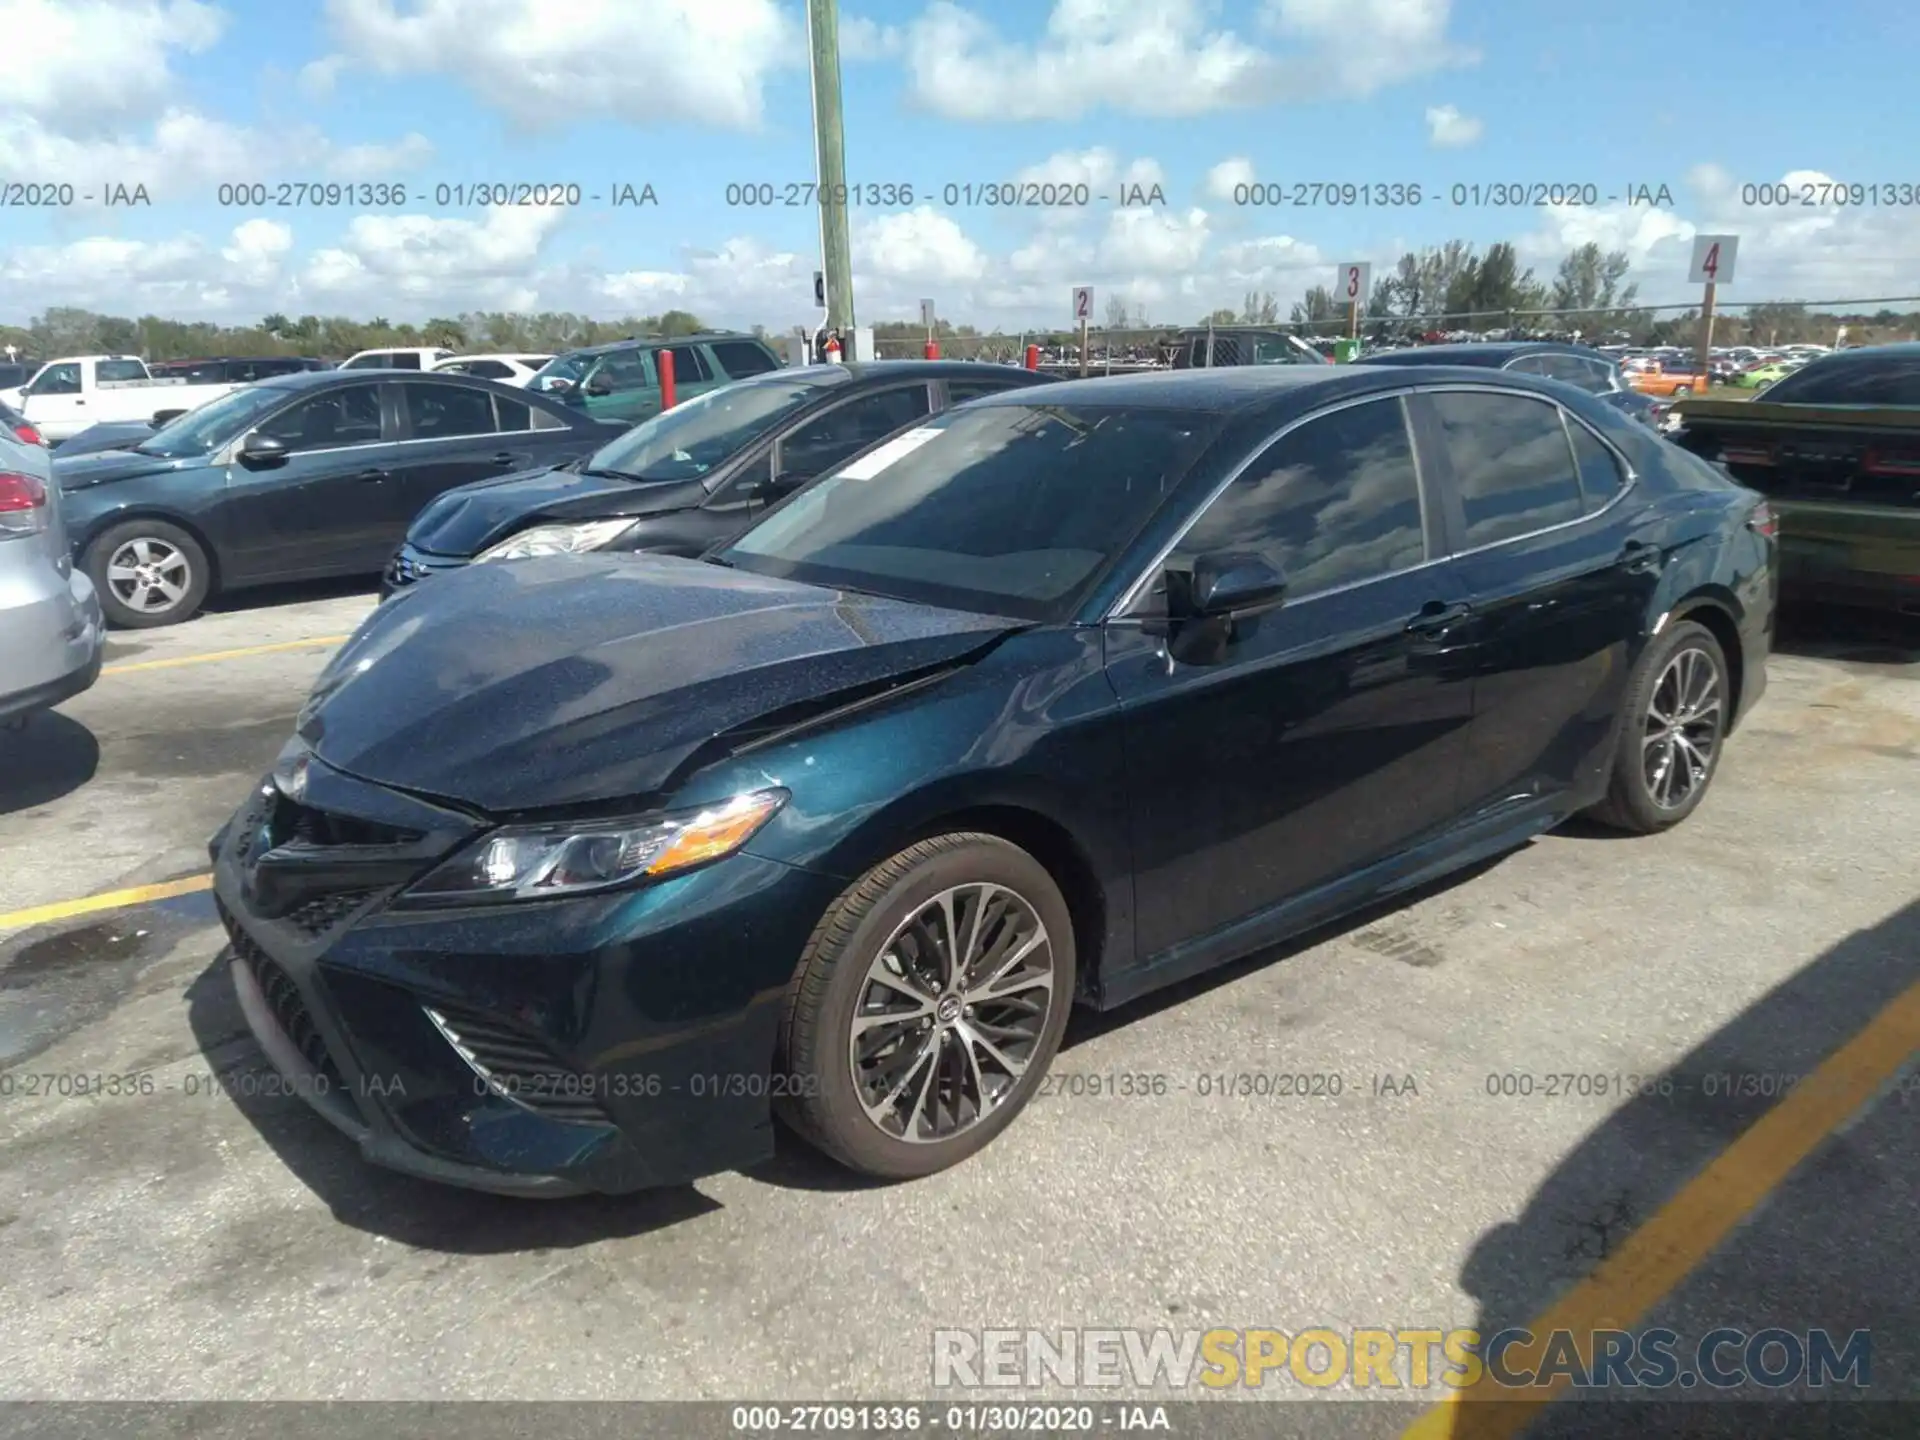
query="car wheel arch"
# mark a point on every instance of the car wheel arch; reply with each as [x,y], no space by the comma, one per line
[1716,613]
[1034,830]
[164,517]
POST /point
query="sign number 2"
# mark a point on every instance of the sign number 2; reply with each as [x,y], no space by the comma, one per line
[1083,302]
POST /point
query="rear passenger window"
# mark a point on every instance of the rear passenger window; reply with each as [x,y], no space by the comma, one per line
[1512,462]
[443,412]
[688,364]
[1334,502]
[511,414]
[740,359]
[1601,477]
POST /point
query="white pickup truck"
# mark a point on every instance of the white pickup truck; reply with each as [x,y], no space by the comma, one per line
[68,395]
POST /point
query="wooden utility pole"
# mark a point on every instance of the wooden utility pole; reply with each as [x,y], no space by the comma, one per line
[836,255]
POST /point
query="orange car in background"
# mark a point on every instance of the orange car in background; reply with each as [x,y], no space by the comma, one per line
[1654,380]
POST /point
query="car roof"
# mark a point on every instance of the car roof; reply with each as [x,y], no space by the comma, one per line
[1482,352]
[654,342]
[320,379]
[884,371]
[1224,388]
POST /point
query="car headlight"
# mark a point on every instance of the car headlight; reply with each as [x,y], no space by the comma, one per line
[538,862]
[557,540]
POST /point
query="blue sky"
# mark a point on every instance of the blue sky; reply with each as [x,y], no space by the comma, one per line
[181,94]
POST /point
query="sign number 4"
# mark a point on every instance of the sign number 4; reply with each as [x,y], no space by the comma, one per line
[1713,257]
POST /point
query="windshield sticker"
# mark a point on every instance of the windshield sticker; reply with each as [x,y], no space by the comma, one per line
[872,463]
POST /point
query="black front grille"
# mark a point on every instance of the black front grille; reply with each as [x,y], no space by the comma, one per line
[518,1067]
[319,915]
[283,998]
[294,823]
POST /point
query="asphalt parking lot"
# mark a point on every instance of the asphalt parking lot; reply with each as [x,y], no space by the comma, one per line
[201,1242]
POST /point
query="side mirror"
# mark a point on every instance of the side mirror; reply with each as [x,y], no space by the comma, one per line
[1231,582]
[262,452]
[597,386]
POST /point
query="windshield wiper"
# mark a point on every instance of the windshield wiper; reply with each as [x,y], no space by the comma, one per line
[612,474]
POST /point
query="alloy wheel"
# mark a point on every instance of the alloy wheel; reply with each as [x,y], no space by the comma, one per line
[950,1013]
[149,576]
[1682,728]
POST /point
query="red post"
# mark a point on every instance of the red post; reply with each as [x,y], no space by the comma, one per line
[933,348]
[663,362]
[1033,357]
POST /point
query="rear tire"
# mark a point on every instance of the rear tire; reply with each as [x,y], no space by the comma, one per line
[1673,722]
[148,573]
[900,1063]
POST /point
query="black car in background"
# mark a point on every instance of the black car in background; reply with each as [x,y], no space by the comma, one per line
[576,868]
[294,478]
[697,474]
[1576,365]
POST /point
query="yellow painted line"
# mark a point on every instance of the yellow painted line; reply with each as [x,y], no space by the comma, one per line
[1690,1226]
[109,900]
[213,655]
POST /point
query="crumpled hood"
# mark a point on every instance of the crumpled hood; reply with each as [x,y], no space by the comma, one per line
[467,520]
[80,472]
[579,678]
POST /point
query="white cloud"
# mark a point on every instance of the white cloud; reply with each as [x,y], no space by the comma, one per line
[1224,179]
[1154,241]
[864,39]
[185,156]
[92,65]
[1162,57]
[1448,129]
[638,61]
[921,244]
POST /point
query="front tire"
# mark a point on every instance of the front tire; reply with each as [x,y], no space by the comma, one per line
[1673,721]
[148,573]
[928,1004]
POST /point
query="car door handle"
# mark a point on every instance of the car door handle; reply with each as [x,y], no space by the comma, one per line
[1639,558]
[504,458]
[371,475]
[1438,615]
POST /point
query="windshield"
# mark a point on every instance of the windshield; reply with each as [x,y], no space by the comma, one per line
[687,441]
[212,424]
[1007,509]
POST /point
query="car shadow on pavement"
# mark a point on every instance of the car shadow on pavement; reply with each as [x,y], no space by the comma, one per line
[258,597]
[1085,1024]
[49,757]
[1831,1247]
[1849,635]
[385,1203]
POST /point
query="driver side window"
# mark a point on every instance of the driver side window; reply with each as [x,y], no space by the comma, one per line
[844,432]
[622,370]
[57,380]
[1332,503]
[329,422]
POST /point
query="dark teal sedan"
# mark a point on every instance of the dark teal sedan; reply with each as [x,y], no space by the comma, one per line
[578,871]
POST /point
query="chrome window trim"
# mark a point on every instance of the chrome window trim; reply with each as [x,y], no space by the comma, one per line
[1132,595]
[1630,480]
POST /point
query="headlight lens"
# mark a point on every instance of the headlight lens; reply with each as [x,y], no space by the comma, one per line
[557,540]
[537,862]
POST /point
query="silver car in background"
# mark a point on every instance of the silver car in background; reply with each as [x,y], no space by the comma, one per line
[51,631]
